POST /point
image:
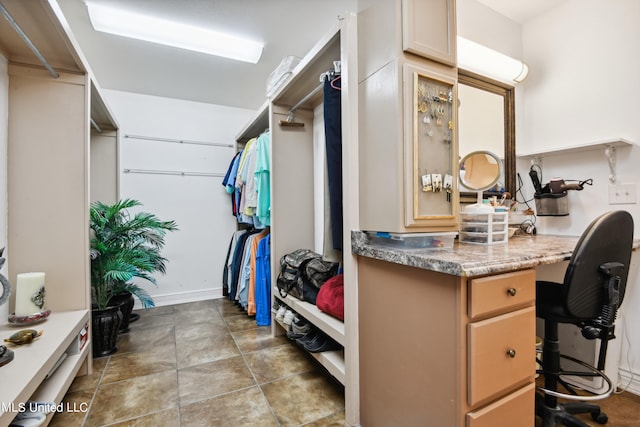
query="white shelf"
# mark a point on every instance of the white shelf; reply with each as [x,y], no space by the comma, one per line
[333,361]
[326,323]
[595,145]
[258,124]
[32,362]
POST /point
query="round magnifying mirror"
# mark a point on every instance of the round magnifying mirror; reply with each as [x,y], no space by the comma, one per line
[479,171]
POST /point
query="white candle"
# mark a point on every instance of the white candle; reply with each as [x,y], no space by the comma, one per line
[29,293]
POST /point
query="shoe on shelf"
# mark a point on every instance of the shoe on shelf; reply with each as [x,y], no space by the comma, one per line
[275,307]
[322,343]
[288,317]
[298,328]
[309,336]
[280,313]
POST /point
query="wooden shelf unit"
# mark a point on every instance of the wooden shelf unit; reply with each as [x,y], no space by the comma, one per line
[33,362]
[56,114]
[292,173]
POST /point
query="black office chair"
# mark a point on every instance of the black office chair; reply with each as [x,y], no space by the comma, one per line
[589,297]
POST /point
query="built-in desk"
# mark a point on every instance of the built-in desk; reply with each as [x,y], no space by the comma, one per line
[447,336]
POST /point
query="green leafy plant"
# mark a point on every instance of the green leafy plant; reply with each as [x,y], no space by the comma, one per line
[123,247]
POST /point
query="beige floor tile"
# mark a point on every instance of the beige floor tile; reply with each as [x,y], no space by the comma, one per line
[75,407]
[303,398]
[190,306]
[86,382]
[244,408]
[133,398]
[334,420]
[170,418]
[130,365]
[151,321]
[190,331]
[209,314]
[204,350]
[155,311]
[149,339]
[212,379]
[182,366]
[257,339]
[278,362]
[226,308]
[240,322]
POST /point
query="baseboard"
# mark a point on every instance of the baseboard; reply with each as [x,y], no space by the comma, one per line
[629,381]
[183,297]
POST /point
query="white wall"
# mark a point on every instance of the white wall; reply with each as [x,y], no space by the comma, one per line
[583,87]
[198,204]
[4,111]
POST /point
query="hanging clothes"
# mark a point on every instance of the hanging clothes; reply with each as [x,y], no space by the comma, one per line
[262,175]
[251,288]
[333,143]
[230,178]
[263,282]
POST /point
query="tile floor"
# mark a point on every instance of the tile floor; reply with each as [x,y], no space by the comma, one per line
[203,364]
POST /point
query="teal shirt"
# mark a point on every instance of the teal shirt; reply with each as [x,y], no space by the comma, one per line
[262,177]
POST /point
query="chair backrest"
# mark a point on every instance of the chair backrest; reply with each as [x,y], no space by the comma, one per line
[609,238]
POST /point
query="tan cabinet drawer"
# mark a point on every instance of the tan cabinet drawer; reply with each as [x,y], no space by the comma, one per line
[501,354]
[501,293]
[516,409]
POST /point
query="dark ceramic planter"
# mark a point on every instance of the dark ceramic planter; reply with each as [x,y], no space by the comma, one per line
[104,330]
[125,301]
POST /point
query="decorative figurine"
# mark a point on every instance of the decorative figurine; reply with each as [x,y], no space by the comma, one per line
[24,336]
[6,288]
[6,355]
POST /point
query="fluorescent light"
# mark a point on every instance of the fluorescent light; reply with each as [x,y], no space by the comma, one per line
[481,60]
[142,27]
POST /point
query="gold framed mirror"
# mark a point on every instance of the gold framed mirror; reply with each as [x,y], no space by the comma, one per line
[486,121]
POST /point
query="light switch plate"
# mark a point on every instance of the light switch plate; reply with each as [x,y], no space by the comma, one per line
[623,194]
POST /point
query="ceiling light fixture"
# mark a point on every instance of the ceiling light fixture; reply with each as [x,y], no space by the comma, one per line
[481,60]
[142,27]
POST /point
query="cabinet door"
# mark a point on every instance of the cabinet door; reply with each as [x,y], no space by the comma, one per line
[428,29]
[431,153]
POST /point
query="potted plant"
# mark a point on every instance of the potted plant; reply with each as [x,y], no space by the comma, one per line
[124,246]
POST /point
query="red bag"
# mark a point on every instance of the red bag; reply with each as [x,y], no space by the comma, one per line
[331,297]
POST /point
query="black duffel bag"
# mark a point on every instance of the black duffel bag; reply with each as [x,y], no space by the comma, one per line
[302,273]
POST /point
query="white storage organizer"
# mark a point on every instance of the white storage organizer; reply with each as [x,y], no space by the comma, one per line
[484,228]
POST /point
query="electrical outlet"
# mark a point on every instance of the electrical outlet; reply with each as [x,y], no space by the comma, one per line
[623,194]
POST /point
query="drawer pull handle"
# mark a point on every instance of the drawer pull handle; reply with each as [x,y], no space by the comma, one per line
[511,353]
[511,292]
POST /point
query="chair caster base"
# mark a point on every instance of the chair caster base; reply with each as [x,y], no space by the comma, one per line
[600,417]
[563,414]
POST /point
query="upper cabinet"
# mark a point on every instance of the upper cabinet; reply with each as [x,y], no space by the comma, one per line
[429,29]
[408,150]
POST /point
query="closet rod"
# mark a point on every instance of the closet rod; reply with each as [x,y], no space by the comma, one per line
[306,98]
[159,172]
[95,125]
[179,141]
[26,39]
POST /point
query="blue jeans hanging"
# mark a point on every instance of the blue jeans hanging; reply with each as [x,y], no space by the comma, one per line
[333,141]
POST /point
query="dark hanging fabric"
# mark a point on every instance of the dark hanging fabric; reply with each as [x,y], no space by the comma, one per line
[333,142]
[237,263]
[225,271]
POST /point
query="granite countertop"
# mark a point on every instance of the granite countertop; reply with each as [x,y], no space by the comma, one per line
[468,259]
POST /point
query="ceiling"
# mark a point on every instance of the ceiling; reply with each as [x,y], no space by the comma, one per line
[287,27]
